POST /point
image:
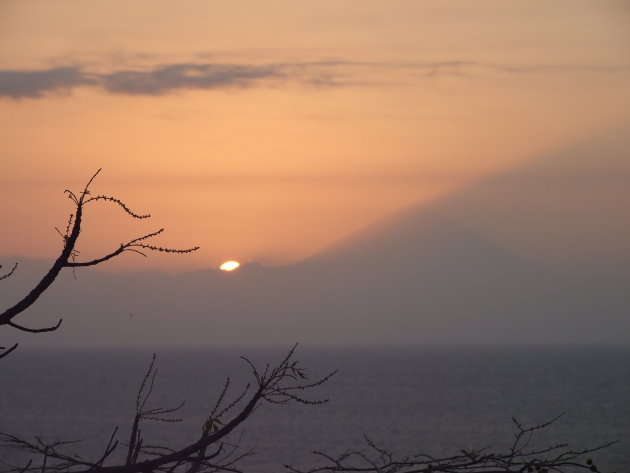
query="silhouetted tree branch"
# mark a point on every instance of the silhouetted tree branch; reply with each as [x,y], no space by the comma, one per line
[67,257]
[10,273]
[6,351]
[282,383]
[518,458]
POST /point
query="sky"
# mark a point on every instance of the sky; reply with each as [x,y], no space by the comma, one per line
[266,131]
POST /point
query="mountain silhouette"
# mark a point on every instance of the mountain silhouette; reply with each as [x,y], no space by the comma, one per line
[567,211]
[538,254]
[413,278]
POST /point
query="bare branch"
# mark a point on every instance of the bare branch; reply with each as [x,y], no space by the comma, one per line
[118,202]
[58,265]
[7,351]
[515,460]
[35,330]
[211,452]
[66,258]
[132,245]
[10,273]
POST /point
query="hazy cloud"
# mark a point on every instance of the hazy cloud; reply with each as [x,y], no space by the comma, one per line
[18,84]
[157,81]
[168,78]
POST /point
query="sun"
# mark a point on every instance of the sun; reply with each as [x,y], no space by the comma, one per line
[229,265]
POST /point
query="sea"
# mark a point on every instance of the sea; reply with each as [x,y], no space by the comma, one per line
[408,400]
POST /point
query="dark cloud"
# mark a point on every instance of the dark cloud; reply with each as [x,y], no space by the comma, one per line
[19,84]
[158,81]
[168,78]
[187,76]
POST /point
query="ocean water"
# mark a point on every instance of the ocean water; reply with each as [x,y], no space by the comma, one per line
[433,400]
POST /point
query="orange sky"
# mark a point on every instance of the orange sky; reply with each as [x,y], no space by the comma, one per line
[267,130]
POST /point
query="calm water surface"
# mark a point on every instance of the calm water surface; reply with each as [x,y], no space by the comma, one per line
[410,400]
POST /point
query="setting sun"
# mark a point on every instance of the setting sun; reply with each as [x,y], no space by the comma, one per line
[229,266]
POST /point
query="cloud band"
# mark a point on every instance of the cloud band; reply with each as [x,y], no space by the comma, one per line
[169,78]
